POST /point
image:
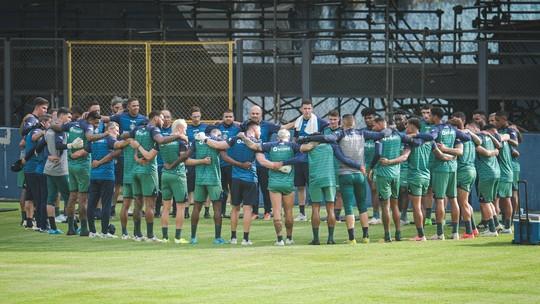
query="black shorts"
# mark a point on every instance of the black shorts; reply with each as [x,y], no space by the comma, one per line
[119,171]
[243,192]
[226,178]
[190,176]
[301,174]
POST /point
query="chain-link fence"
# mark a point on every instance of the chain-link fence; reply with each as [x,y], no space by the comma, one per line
[162,75]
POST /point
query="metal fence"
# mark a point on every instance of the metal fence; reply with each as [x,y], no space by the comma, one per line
[162,75]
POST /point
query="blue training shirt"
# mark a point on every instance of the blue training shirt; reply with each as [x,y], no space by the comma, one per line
[239,151]
[164,132]
[127,122]
[227,131]
[192,130]
[99,149]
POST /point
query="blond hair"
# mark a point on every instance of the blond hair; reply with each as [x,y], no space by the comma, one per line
[179,122]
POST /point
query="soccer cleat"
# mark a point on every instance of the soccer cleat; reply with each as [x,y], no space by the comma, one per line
[180,241]
[437,237]
[138,238]
[330,242]
[85,233]
[71,232]
[279,243]
[314,242]
[93,235]
[219,241]
[375,221]
[454,236]
[254,217]
[466,236]
[488,233]
[109,236]
[300,218]
[55,231]
[246,243]
[234,241]
[506,231]
[194,241]
[267,217]
[125,237]
[289,242]
[388,240]
[475,232]
[164,241]
[404,222]
[499,228]
[350,242]
[365,240]
[420,238]
[481,226]
[428,222]
[61,218]
[153,239]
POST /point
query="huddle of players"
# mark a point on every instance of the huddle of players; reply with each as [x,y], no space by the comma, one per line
[203,163]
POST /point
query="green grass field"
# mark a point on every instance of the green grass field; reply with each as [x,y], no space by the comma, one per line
[60,269]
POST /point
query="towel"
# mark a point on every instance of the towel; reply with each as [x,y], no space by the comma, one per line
[312,124]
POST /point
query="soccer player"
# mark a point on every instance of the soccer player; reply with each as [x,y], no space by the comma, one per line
[278,158]
[102,178]
[117,107]
[466,175]
[207,184]
[195,127]
[488,178]
[267,130]
[165,131]
[427,199]
[35,179]
[369,114]
[145,179]
[504,189]
[444,181]
[305,125]
[128,120]
[386,162]
[244,177]
[56,167]
[228,130]
[400,119]
[334,126]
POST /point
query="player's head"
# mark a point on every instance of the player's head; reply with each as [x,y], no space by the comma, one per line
[195,115]
[400,119]
[255,114]
[76,112]
[491,119]
[156,118]
[45,120]
[54,113]
[167,118]
[436,115]
[307,108]
[479,118]
[93,106]
[333,119]
[179,126]
[348,121]
[228,117]
[93,118]
[501,119]
[369,115]
[458,119]
[63,115]
[132,106]
[379,124]
[253,129]
[215,132]
[117,105]
[41,105]
[113,129]
[490,128]
[425,110]
[284,135]
[413,125]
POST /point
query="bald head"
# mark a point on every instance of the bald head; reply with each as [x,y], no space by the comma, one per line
[255,114]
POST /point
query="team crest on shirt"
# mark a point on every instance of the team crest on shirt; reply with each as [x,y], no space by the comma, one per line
[239,141]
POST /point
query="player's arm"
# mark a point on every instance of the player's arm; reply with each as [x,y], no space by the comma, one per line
[160,139]
[249,143]
[513,140]
[398,160]
[462,136]
[266,163]
[441,155]
[495,139]
[219,144]
[308,146]
[374,135]
[225,157]
[82,152]
[329,138]
[38,135]
[475,138]
[91,136]
[457,150]
[183,154]
[515,153]
[338,153]
[121,144]
[148,155]
[487,153]
[377,155]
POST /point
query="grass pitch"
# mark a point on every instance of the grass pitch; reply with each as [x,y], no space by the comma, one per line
[59,269]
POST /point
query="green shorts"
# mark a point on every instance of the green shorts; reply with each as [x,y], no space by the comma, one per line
[55,185]
[79,179]
[387,187]
[173,185]
[20,179]
[504,189]
[403,182]
[487,190]
[353,190]
[515,185]
[322,195]
[127,190]
[204,191]
[283,189]
[145,184]
[418,187]
[465,179]
[444,184]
